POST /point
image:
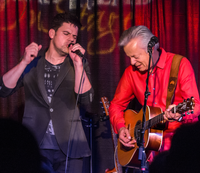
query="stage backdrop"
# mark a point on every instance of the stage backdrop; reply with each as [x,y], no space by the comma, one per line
[174,22]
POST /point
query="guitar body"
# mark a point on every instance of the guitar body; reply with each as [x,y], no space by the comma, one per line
[152,137]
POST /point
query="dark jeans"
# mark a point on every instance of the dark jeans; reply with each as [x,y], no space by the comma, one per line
[54,161]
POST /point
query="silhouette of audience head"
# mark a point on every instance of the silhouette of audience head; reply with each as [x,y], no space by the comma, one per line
[19,152]
[184,153]
[159,163]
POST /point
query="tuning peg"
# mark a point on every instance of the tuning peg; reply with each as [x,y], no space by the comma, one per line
[183,114]
[192,112]
[188,113]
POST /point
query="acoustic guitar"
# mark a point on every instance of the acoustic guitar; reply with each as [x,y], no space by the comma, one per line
[118,167]
[153,133]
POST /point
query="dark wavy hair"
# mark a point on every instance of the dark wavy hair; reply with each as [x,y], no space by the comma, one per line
[67,17]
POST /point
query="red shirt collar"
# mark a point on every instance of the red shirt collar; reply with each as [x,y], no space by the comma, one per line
[162,59]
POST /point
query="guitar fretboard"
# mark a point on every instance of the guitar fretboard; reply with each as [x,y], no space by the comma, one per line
[154,121]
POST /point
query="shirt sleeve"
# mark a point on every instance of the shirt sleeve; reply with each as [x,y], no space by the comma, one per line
[188,87]
[87,97]
[5,91]
[122,97]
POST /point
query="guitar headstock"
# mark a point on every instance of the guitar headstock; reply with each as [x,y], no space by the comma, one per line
[186,105]
[105,103]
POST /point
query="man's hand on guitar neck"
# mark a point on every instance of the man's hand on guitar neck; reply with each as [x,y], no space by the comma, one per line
[125,137]
[169,116]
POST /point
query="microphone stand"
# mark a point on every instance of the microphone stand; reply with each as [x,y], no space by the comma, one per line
[142,154]
[70,133]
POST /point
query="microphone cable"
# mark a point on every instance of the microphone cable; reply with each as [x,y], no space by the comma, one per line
[70,134]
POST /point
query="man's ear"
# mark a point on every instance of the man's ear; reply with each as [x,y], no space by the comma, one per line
[51,33]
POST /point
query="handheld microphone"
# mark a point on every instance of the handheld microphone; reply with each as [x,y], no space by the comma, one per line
[152,43]
[78,52]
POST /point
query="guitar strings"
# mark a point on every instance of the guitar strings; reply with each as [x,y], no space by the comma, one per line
[148,122]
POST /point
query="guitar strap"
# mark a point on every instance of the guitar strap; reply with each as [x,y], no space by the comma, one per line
[172,86]
[173,79]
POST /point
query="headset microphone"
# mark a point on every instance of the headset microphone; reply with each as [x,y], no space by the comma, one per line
[152,43]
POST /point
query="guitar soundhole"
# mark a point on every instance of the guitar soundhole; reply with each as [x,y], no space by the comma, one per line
[137,131]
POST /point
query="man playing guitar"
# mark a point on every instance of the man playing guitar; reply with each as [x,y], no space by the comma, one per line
[133,84]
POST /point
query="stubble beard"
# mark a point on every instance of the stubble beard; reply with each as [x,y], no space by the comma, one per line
[63,51]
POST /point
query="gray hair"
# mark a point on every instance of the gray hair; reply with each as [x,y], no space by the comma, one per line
[134,32]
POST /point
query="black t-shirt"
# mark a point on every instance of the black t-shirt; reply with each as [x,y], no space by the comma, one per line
[51,73]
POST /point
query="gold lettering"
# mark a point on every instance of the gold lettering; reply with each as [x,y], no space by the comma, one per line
[13,25]
[104,31]
[40,26]
[33,18]
[127,19]
[58,8]
[83,14]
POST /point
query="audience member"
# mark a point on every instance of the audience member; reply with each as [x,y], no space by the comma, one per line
[19,152]
[183,156]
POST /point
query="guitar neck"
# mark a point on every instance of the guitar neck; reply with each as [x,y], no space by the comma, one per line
[155,120]
[118,167]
